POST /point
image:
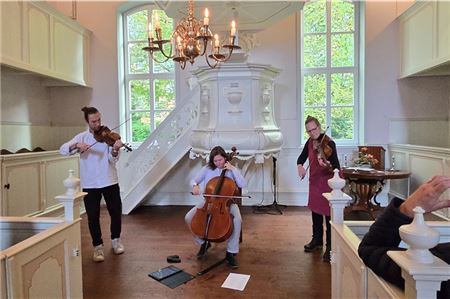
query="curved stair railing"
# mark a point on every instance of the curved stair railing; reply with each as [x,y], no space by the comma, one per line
[162,150]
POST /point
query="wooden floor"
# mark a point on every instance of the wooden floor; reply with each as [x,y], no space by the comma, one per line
[271,253]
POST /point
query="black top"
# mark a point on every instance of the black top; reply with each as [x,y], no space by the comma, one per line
[383,236]
[333,159]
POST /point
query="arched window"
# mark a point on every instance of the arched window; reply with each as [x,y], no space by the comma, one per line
[149,87]
[330,67]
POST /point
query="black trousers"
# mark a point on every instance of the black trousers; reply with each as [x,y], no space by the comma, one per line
[111,194]
[317,220]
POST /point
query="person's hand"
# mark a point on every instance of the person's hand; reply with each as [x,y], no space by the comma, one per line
[196,190]
[301,171]
[229,166]
[117,145]
[427,196]
[82,147]
[322,162]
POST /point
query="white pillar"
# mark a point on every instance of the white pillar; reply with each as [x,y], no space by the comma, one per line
[72,198]
[338,199]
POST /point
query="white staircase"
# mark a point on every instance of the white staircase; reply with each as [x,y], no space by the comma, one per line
[150,163]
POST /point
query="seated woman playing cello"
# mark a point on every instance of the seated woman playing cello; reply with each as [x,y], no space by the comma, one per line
[218,161]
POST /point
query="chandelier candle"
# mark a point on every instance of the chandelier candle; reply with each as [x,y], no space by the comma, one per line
[206,19]
[190,39]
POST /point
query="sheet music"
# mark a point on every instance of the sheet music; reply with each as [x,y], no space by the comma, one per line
[236,281]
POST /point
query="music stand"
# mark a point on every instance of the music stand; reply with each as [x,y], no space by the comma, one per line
[274,205]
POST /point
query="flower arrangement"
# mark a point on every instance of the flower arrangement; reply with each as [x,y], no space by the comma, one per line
[365,158]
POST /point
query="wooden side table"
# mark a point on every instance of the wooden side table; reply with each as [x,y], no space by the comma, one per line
[367,184]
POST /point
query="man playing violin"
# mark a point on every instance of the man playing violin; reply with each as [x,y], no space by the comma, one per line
[217,163]
[320,150]
[98,177]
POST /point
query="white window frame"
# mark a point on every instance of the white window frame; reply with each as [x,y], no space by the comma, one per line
[328,71]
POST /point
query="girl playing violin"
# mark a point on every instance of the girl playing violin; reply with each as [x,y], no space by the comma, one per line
[320,150]
[218,161]
[98,176]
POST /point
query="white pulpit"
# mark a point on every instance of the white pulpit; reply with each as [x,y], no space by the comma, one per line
[237,109]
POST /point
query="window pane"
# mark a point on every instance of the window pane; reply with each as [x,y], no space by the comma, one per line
[315,90]
[138,58]
[315,51]
[317,113]
[342,16]
[315,17]
[342,89]
[342,123]
[342,50]
[140,126]
[140,94]
[164,94]
[160,116]
[137,26]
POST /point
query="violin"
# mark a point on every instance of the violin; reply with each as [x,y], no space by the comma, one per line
[213,222]
[323,149]
[105,135]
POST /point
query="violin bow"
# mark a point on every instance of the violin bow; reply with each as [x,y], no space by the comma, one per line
[121,124]
[320,144]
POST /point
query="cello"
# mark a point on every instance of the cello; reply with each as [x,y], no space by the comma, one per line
[213,222]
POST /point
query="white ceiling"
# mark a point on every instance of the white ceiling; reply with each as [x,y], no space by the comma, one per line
[249,14]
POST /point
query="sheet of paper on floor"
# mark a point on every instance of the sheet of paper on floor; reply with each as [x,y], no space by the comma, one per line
[236,281]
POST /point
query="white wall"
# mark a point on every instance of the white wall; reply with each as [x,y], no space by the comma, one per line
[392,107]
[28,115]
[100,18]
[57,116]
[411,110]
[387,99]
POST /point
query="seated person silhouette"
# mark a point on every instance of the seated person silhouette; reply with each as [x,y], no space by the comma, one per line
[384,234]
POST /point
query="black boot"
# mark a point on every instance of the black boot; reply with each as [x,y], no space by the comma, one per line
[313,245]
[317,228]
[327,255]
[203,249]
[231,260]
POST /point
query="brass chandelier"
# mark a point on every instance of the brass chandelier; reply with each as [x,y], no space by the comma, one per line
[191,39]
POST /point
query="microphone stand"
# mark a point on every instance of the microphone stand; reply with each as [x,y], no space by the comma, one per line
[274,205]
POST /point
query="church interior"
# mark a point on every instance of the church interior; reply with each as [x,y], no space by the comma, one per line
[252,88]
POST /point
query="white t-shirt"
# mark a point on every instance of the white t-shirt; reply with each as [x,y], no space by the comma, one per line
[97,165]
